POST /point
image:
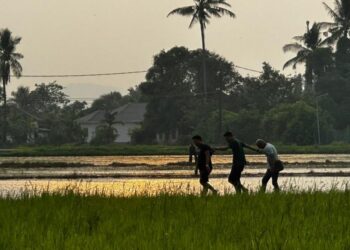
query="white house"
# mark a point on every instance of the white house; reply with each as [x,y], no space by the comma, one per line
[126,119]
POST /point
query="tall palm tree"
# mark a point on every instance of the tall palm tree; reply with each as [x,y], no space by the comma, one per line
[9,62]
[201,12]
[340,26]
[306,47]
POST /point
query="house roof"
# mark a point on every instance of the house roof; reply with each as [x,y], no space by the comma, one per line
[129,113]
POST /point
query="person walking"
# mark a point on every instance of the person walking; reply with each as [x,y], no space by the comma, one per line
[275,165]
[239,160]
[204,164]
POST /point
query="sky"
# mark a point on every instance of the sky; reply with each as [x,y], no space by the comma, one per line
[101,36]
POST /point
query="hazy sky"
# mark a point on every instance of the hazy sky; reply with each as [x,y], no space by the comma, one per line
[98,36]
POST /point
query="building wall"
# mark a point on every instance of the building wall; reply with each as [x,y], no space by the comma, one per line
[124,131]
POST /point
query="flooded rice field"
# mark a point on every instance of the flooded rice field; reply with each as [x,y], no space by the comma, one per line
[164,160]
[137,175]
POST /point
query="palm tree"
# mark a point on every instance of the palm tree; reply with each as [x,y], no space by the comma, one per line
[201,12]
[306,48]
[9,62]
[339,31]
[340,26]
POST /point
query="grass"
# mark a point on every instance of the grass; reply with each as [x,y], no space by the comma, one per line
[89,150]
[260,221]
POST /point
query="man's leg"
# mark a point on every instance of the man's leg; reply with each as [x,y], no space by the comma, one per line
[235,179]
[204,181]
[275,181]
[265,180]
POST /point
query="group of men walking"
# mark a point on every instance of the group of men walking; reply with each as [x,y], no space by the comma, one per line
[204,163]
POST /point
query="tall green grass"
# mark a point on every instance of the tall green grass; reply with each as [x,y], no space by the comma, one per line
[259,221]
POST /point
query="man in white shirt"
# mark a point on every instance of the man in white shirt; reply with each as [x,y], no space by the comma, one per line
[274,164]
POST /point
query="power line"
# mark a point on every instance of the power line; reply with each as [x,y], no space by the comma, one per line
[111,74]
[248,69]
[91,99]
[85,75]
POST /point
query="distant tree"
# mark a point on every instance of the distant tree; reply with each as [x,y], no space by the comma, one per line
[296,124]
[1,94]
[172,91]
[206,125]
[339,31]
[49,107]
[134,95]
[340,26]
[106,133]
[9,62]
[109,102]
[64,128]
[167,90]
[22,97]
[266,91]
[47,99]
[311,52]
[336,85]
[201,12]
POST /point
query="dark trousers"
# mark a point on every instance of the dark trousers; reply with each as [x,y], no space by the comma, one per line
[235,177]
[271,174]
[204,175]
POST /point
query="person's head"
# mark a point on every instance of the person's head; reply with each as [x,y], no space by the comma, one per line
[197,140]
[228,136]
[260,143]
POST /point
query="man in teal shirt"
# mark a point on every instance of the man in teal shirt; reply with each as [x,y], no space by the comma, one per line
[239,160]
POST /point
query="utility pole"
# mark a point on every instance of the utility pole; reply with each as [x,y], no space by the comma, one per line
[318,117]
[318,123]
[220,110]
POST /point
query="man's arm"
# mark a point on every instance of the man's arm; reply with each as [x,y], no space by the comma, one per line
[221,148]
[251,148]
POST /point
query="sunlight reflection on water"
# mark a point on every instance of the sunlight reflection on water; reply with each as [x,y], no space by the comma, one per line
[130,187]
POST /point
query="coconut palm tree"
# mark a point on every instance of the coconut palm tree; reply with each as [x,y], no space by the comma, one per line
[201,12]
[307,47]
[340,26]
[9,62]
[339,31]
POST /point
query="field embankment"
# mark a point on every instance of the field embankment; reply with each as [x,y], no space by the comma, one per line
[124,150]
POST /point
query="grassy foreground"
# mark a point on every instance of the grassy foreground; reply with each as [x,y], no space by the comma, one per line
[89,150]
[271,221]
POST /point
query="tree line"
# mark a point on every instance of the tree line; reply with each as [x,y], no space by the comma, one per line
[197,91]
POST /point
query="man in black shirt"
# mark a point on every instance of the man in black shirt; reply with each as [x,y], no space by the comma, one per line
[204,164]
[239,160]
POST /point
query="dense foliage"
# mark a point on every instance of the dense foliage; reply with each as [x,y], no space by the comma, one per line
[271,105]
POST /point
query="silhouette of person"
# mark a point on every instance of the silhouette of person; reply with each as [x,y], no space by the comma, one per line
[239,160]
[204,164]
[274,164]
